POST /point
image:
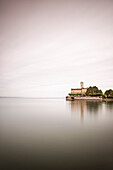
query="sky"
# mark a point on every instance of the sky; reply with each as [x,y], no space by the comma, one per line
[48,47]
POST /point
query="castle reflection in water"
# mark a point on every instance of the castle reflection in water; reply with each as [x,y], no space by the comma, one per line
[83,107]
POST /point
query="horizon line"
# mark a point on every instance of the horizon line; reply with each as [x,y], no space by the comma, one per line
[30,97]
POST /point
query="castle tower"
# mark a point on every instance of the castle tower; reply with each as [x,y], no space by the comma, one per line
[81,84]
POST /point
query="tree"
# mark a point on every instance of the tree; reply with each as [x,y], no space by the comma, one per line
[109,93]
[94,91]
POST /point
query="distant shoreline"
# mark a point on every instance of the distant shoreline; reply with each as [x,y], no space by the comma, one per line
[33,97]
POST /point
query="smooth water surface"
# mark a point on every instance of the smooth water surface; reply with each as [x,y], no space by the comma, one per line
[56,134]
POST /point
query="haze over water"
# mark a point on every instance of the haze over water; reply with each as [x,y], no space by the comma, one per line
[56,134]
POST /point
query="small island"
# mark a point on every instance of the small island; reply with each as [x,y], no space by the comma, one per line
[90,93]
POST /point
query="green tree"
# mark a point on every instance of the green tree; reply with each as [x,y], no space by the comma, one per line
[109,93]
[94,91]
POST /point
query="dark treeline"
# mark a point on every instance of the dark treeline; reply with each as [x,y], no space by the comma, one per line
[94,91]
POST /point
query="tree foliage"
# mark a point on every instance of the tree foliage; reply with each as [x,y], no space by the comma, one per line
[94,91]
[109,93]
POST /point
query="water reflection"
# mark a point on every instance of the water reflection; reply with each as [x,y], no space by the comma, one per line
[109,105]
[78,106]
[94,106]
[44,134]
[84,106]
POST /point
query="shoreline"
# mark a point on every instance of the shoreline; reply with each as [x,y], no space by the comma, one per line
[72,98]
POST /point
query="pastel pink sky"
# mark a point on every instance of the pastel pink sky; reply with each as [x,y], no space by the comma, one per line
[48,47]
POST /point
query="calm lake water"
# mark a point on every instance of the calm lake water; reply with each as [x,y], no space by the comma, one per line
[56,134]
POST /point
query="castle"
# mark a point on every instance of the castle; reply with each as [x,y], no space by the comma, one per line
[82,90]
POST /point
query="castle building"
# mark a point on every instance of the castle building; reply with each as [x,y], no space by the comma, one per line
[82,90]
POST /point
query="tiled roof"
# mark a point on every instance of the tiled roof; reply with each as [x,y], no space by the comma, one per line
[78,89]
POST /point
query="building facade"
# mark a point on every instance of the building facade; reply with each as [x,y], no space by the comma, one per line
[82,90]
